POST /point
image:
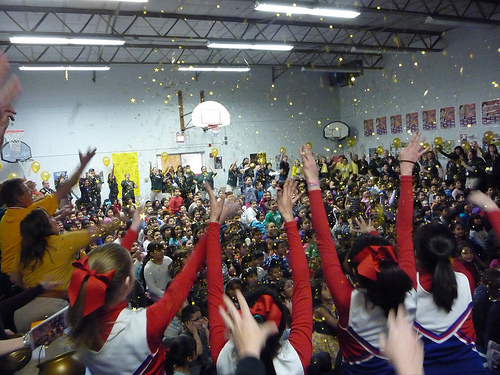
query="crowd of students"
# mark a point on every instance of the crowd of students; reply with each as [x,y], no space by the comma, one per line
[323,261]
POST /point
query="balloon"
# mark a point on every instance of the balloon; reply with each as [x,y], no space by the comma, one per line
[252,165]
[0,166]
[282,150]
[310,145]
[380,150]
[35,166]
[106,161]
[488,136]
[351,142]
[164,156]
[45,175]
[439,147]
[396,142]
[426,145]
[12,175]
[438,141]
[465,146]
[215,152]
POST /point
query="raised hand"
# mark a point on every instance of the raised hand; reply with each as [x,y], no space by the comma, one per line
[10,87]
[216,206]
[402,344]
[481,200]
[85,158]
[410,154]
[412,151]
[249,336]
[309,168]
[285,202]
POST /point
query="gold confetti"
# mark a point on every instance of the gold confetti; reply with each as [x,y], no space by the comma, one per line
[132,100]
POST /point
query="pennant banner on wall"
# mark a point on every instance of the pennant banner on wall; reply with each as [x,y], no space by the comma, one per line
[381,124]
[429,120]
[447,117]
[467,115]
[368,127]
[396,124]
[412,122]
[490,112]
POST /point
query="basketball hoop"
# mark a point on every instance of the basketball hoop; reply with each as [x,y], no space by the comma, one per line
[15,150]
[214,128]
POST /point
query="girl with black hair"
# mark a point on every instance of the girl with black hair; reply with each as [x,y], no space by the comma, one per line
[180,354]
[444,304]
[280,356]
[382,280]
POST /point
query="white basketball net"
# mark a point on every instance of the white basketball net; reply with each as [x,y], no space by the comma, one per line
[14,138]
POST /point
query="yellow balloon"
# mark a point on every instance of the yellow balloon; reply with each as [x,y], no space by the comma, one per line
[12,175]
[164,156]
[426,145]
[45,175]
[488,136]
[351,142]
[252,165]
[310,145]
[439,147]
[465,146]
[1,166]
[282,150]
[396,142]
[106,161]
[35,166]
[438,141]
[215,152]
[380,150]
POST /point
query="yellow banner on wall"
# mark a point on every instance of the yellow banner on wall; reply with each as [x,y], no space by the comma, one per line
[126,162]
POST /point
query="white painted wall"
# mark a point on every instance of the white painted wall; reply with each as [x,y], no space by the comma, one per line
[63,115]
[463,73]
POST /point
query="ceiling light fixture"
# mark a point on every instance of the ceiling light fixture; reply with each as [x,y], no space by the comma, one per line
[456,22]
[333,69]
[215,68]
[306,9]
[382,50]
[251,46]
[54,40]
[59,68]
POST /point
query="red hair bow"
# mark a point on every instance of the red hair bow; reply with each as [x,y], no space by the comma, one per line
[266,308]
[97,284]
[368,260]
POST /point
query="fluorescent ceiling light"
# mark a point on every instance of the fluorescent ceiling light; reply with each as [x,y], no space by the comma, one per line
[380,50]
[454,22]
[332,69]
[194,68]
[251,46]
[124,1]
[304,9]
[65,41]
[59,68]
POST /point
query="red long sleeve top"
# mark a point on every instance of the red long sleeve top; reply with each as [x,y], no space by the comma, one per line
[301,329]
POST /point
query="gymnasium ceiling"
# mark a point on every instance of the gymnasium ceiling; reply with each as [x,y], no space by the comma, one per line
[177,31]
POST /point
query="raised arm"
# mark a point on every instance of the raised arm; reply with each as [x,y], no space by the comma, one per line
[215,280]
[301,330]
[485,203]
[404,221]
[338,284]
[161,313]
[63,190]
[9,90]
